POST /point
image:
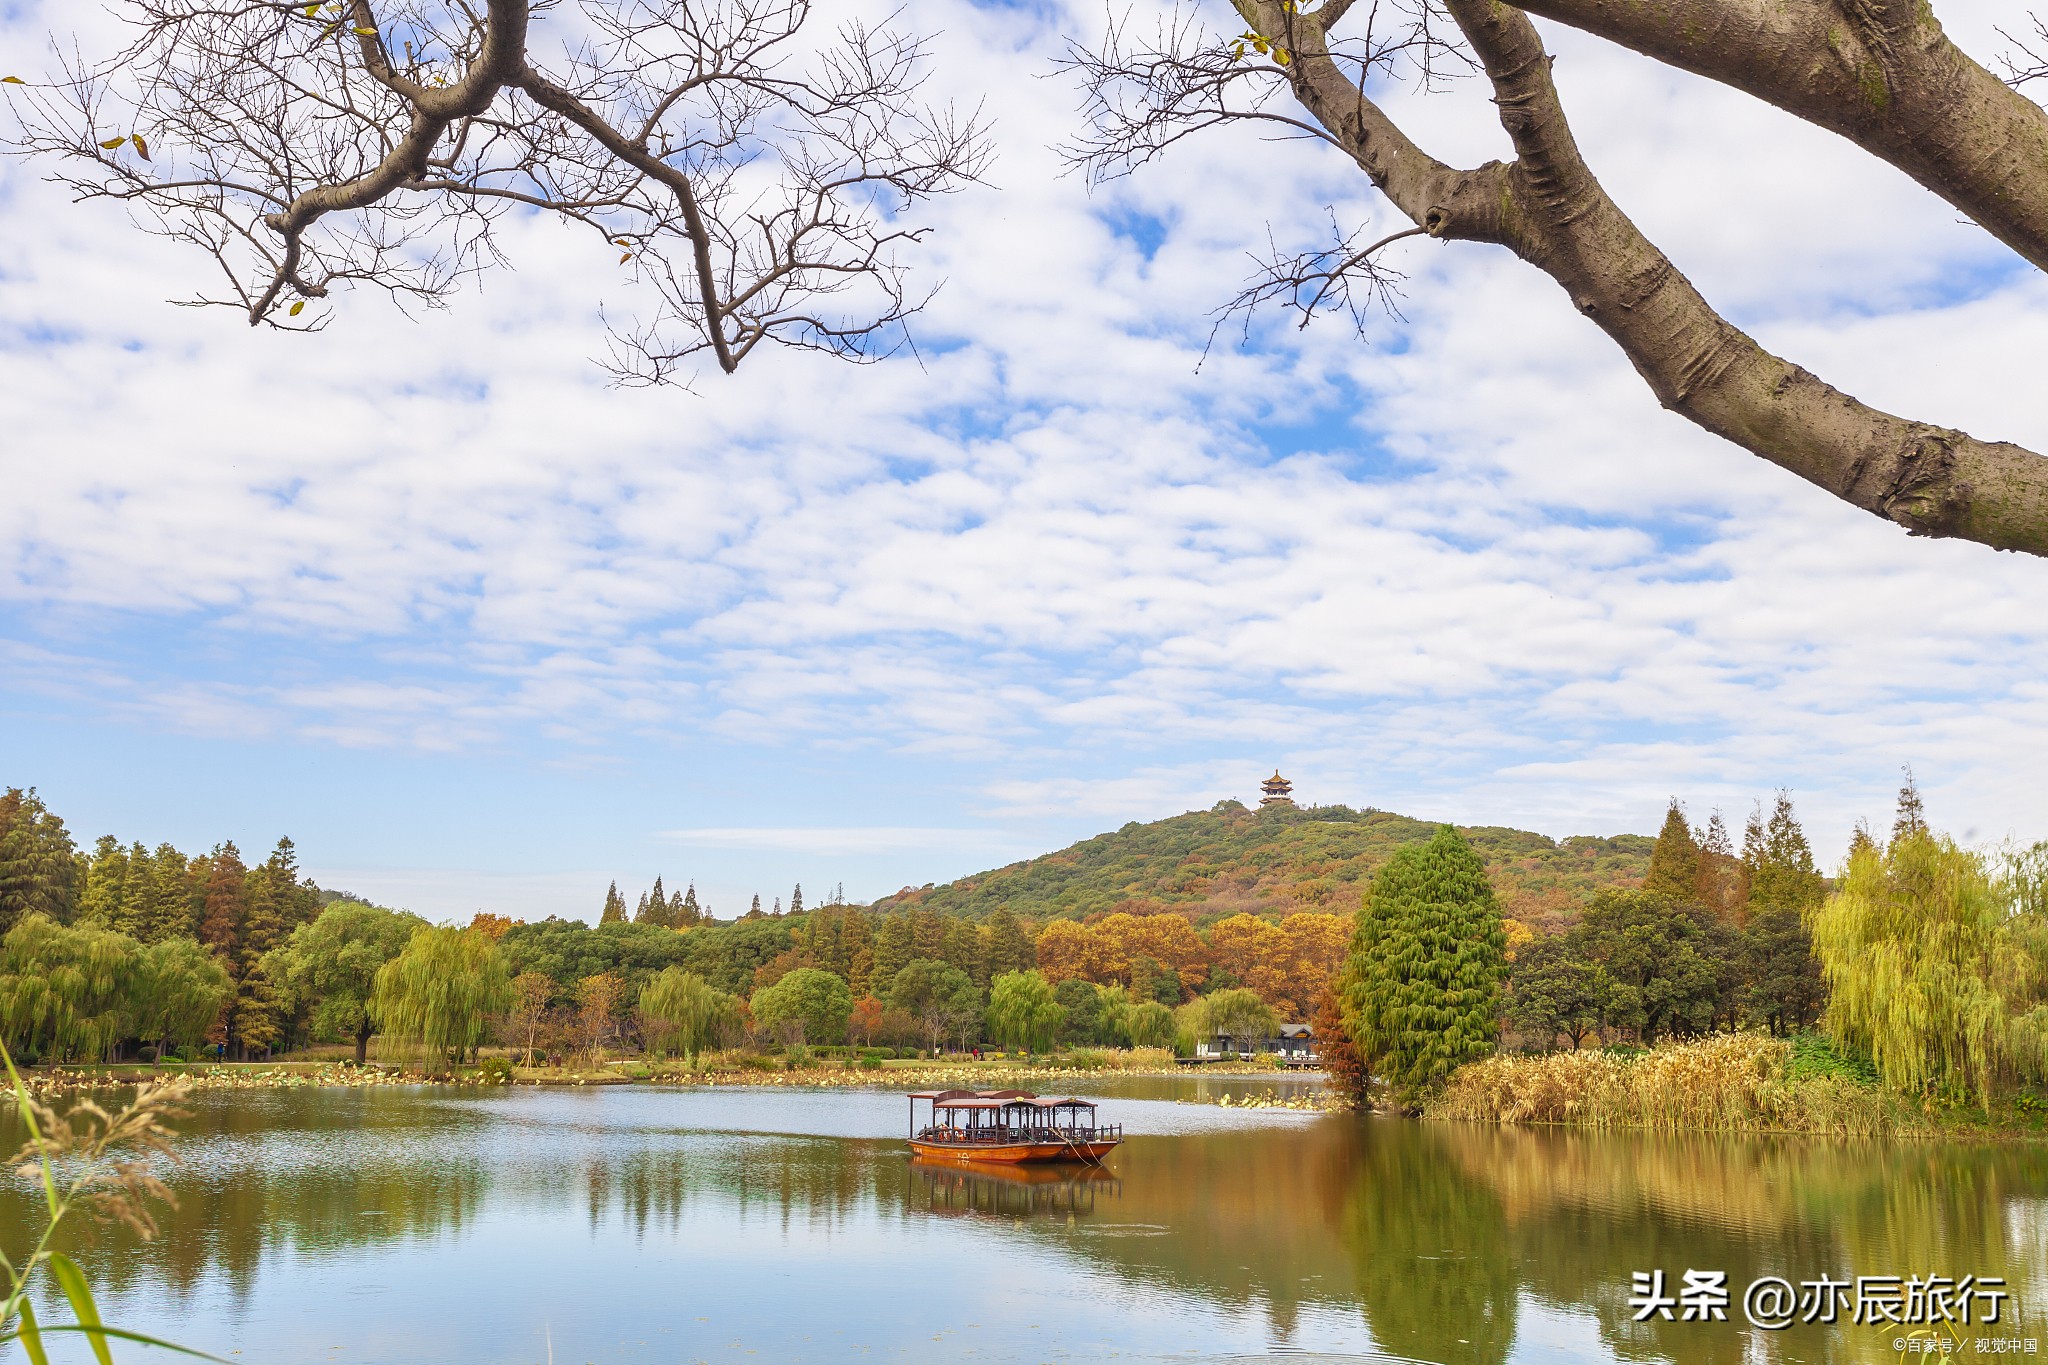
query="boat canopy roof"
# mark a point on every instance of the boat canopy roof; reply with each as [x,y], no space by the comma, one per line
[996,1099]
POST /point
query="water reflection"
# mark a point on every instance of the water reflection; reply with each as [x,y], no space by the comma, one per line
[794,1217]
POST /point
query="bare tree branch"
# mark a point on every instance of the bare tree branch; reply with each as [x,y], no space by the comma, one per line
[752,171]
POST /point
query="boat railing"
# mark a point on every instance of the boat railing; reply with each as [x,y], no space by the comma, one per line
[1003,1136]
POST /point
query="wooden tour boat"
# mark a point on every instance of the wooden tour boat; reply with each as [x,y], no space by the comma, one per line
[1008,1126]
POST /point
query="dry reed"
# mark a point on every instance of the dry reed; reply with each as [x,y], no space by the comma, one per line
[1738,1082]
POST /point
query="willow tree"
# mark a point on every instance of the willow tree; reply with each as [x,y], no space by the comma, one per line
[1421,989]
[683,1010]
[1938,967]
[443,991]
[1023,1012]
[1881,73]
[65,990]
[179,991]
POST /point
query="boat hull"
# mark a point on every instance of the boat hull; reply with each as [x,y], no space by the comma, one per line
[1009,1153]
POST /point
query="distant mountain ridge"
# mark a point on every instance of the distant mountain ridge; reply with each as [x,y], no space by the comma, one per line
[1275,859]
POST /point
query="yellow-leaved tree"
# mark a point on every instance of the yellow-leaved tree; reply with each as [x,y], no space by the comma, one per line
[1937,961]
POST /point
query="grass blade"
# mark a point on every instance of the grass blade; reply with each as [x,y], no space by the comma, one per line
[31,1336]
[72,1279]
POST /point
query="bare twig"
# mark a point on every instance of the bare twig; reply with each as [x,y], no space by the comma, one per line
[751,173]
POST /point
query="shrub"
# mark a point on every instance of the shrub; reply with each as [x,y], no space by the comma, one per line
[495,1070]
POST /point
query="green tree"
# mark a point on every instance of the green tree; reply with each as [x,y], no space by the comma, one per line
[1783,989]
[689,913]
[1675,860]
[895,946]
[1662,962]
[1084,1008]
[1421,987]
[1553,990]
[1009,948]
[1240,1017]
[1023,1011]
[940,997]
[38,863]
[796,900]
[807,1005]
[332,965]
[1783,876]
[442,990]
[1937,968]
[65,990]
[178,993]
[165,897]
[1148,1024]
[108,897]
[687,1011]
[614,911]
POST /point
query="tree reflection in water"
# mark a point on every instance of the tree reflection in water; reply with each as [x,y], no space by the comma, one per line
[1458,1244]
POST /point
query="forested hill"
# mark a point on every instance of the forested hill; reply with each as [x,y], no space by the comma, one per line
[1229,859]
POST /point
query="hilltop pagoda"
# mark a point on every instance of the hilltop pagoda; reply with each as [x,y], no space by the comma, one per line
[1278,791]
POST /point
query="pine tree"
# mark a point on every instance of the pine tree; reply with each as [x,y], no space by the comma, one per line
[165,895]
[1722,887]
[1784,877]
[1675,858]
[689,912]
[256,1018]
[614,907]
[108,898]
[796,900]
[755,908]
[1009,950]
[1421,988]
[1911,820]
[38,863]
[1860,841]
[895,947]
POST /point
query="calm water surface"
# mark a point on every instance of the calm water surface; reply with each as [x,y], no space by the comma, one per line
[757,1225]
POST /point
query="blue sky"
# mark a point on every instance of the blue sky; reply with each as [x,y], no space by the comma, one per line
[479,631]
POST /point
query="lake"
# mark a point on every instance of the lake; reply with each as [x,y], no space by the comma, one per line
[648,1224]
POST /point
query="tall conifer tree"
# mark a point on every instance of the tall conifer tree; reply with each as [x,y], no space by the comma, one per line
[796,900]
[1910,821]
[614,911]
[1675,858]
[1421,987]
[1783,876]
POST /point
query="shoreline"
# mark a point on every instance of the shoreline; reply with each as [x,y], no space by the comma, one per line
[298,1075]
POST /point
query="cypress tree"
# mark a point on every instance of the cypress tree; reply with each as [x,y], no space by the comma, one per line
[796,900]
[165,894]
[109,898]
[1784,877]
[39,872]
[1722,885]
[223,902]
[1675,859]
[689,912]
[1421,988]
[755,908]
[614,907]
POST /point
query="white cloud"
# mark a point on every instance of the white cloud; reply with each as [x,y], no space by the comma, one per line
[1052,571]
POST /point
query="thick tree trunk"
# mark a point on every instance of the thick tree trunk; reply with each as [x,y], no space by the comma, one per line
[363,1042]
[1548,208]
[1881,73]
